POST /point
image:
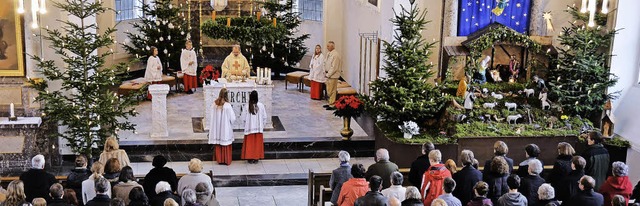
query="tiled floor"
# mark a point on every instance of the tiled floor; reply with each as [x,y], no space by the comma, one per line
[274,166]
[300,116]
[262,196]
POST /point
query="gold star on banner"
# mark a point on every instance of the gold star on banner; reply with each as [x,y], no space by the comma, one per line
[518,5]
[469,4]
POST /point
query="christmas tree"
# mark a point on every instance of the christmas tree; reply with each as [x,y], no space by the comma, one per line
[85,103]
[405,94]
[164,27]
[582,77]
[263,43]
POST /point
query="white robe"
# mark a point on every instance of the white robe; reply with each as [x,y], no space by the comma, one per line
[469,97]
[317,68]
[188,56]
[221,129]
[154,70]
[228,69]
[254,123]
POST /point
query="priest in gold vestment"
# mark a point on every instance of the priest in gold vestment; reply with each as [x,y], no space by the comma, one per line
[235,64]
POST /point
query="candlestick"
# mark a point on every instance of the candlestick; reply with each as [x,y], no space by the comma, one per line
[239,9]
[259,74]
[11,110]
[605,6]
[228,21]
[592,13]
[274,22]
[583,7]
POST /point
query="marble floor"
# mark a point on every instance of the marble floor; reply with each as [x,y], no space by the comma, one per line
[263,196]
[300,116]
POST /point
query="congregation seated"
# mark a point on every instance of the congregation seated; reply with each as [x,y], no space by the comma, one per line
[79,174]
[112,171]
[205,195]
[383,167]
[618,184]
[396,190]
[373,197]
[137,197]
[499,149]
[195,176]
[529,184]
[88,186]
[126,182]
[532,151]
[112,150]
[353,188]
[466,178]
[102,191]
[163,192]
[157,174]
[497,178]
[56,191]
[340,175]
[413,197]
[546,195]
[36,180]
[189,198]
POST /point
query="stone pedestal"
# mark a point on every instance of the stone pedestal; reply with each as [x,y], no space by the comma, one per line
[20,141]
[159,110]
[238,97]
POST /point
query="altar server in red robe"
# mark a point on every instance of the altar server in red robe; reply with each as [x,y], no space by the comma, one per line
[189,64]
[221,129]
[316,75]
[256,116]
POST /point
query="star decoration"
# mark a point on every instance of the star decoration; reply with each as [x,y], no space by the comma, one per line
[525,14]
[518,5]
[482,4]
[477,24]
[480,9]
[466,19]
[488,7]
[477,2]
[517,23]
[513,17]
[469,4]
[464,10]
[473,17]
[547,15]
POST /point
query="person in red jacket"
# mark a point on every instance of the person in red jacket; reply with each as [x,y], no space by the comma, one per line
[353,188]
[433,178]
[618,184]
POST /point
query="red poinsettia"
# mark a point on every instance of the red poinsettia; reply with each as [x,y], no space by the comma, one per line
[208,74]
[348,106]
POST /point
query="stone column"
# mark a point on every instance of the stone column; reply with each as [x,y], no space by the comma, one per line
[210,94]
[450,26]
[159,110]
[537,25]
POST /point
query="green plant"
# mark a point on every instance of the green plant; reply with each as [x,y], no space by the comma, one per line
[618,142]
[85,103]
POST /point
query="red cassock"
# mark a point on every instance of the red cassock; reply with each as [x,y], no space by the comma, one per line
[316,90]
[149,93]
[223,154]
[190,82]
[253,147]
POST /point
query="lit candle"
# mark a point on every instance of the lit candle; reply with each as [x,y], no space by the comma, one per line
[251,8]
[592,13]
[11,112]
[228,21]
[583,7]
[239,9]
[43,7]
[268,74]
[258,74]
[20,6]
[605,6]
[274,21]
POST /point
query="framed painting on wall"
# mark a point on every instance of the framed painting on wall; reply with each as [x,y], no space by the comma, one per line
[11,40]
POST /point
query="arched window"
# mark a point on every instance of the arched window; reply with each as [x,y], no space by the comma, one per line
[477,14]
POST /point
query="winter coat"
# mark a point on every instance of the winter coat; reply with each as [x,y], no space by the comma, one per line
[37,183]
[351,190]
[465,179]
[512,199]
[597,158]
[382,168]
[159,199]
[418,167]
[523,167]
[584,198]
[561,169]
[372,198]
[568,186]
[122,190]
[99,200]
[497,185]
[412,202]
[636,192]
[529,187]
[432,182]
[487,165]
[616,186]
[58,202]
[338,177]
[156,175]
[480,201]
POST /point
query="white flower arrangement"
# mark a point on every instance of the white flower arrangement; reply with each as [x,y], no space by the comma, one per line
[409,127]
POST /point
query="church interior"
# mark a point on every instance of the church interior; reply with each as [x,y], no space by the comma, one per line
[319,102]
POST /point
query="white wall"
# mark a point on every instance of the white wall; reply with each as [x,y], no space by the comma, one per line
[314,29]
[625,64]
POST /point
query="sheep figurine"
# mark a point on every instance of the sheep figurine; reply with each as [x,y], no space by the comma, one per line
[485,91]
[497,96]
[529,92]
[513,118]
[489,105]
[511,105]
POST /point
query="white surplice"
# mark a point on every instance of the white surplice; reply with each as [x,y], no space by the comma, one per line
[317,73]
[188,56]
[220,129]
[254,123]
[154,70]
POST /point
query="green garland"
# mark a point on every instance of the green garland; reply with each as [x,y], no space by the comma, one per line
[501,34]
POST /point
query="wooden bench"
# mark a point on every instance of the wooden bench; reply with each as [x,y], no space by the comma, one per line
[170,80]
[295,77]
[132,86]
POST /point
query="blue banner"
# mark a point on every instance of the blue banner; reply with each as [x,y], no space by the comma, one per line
[477,14]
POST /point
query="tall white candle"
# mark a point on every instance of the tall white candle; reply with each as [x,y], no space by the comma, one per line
[592,13]
[268,74]
[583,7]
[11,112]
[259,74]
[34,13]
[20,6]
[605,6]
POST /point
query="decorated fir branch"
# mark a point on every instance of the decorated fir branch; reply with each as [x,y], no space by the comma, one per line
[85,103]
[163,27]
[405,94]
[264,43]
[580,82]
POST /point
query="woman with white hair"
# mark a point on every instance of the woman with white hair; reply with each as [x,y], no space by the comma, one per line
[413,197]
[163,192]
[546,195]
[195,176]
[529,184]
[618,184]
[340,175]
[189,198]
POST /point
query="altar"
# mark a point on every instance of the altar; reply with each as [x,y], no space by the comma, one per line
[238,98]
